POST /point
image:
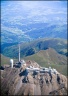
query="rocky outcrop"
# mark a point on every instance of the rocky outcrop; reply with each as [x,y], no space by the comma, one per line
[16,82]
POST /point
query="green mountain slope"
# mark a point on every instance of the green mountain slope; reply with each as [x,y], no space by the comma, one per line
[4,59]
[51,58]
[60,45]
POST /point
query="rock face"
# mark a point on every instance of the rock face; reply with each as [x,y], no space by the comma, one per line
[17,82]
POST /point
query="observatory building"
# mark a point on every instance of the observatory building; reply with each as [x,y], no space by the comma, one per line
[11,63]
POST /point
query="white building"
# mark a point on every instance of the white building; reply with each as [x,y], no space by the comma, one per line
[11,63]
[42,69]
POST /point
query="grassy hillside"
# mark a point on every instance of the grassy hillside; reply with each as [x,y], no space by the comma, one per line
[51,58]
[27,49]
[4,59]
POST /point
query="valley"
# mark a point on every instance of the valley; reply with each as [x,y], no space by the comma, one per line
[32,22]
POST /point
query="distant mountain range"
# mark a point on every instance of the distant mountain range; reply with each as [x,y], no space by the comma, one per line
[32,32]
[27,21]
[27,49]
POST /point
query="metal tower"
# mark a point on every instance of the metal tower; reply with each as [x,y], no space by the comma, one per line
[19,52]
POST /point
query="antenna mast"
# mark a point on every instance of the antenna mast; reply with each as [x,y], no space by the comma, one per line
[19,52]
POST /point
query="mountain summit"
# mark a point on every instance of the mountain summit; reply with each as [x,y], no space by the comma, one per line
[18,81]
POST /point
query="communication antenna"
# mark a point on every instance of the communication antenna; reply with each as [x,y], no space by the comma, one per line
[19,52]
